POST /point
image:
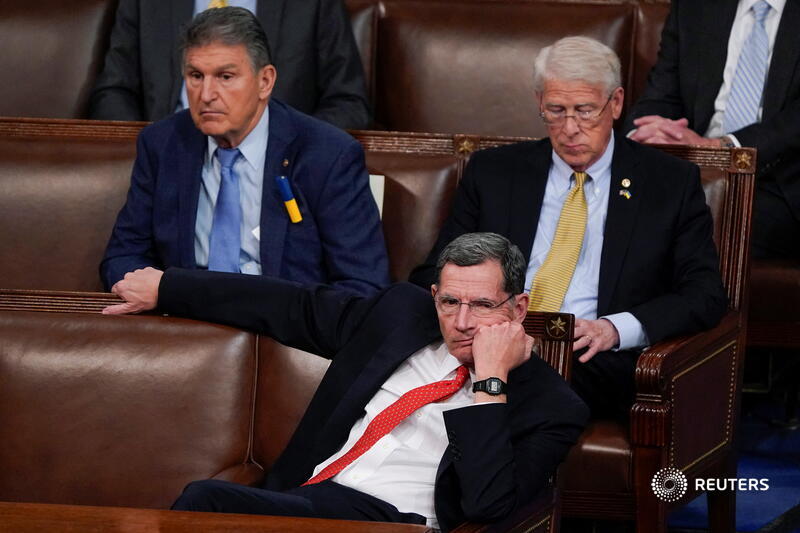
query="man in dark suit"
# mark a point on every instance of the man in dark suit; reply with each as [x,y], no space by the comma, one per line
[465,456]
[187,207]
[693,97]
[311,42]
[620,229]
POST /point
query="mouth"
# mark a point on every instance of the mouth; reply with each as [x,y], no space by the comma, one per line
[211,114]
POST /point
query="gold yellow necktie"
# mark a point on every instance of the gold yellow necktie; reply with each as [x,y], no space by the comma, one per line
[217,3]
[552,279]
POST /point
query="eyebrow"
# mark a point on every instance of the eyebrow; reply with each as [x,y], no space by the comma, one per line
[229,66]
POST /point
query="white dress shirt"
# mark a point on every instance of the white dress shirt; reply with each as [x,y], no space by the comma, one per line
[581,296]
[401,467]
[250,169]
[742,25]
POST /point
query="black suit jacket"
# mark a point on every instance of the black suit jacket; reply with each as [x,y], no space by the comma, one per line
[499,455]
[688,74]
[658,260]
[312,45]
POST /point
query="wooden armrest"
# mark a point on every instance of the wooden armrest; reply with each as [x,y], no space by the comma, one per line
[244,474]
[663,360]
[535,517]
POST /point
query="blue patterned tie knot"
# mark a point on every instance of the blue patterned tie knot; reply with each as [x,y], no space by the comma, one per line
[225,240]
[760,9]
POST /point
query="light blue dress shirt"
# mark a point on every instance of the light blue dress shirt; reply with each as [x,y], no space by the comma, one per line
[202,5]
[250,169]
[581,297]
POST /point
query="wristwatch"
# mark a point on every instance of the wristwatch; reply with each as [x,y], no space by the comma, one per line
[493,386]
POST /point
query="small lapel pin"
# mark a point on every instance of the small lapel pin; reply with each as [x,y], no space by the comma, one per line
[286,164]
[626,182]
[626,193]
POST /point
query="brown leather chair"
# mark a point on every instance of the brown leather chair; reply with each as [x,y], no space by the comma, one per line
[118,411]
[52,53]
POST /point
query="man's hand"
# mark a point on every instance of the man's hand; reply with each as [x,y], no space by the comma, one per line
[655,129]
[139,289]
[595,335]
[500,348]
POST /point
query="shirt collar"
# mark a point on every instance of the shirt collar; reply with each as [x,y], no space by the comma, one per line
[598,170]
[252,147]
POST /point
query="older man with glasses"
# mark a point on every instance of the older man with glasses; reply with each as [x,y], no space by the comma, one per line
[614,232]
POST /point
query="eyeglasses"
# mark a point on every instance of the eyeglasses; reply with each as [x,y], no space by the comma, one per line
[480,308]
[586,119]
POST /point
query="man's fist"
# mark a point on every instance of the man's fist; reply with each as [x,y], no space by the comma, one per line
[139,289]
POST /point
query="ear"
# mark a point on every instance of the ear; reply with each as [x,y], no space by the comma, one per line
[617,99]
[266,81]
[434,290]
[520,307]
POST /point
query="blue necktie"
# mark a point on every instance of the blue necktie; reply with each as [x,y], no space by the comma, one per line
[225,240]
[751,73]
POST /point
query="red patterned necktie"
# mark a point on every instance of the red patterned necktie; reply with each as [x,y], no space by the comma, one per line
[390,417]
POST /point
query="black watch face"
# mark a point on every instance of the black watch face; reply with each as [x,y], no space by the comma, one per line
[494,386]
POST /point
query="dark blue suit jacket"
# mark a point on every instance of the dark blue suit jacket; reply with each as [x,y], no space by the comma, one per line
[339,241]
[499,455]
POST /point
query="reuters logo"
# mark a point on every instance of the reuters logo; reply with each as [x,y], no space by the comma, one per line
[669,484]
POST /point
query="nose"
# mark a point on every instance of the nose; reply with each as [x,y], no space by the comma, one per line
[208,92]
[464,321]
[570,126]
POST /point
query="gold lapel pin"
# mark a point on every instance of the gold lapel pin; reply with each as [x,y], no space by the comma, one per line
[626,183]
[285,163]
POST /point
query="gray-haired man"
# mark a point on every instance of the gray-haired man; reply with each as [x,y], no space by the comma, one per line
[477,452]
[614,232]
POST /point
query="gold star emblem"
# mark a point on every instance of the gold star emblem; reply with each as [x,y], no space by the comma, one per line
[556,327]
[743,161]
[466,147]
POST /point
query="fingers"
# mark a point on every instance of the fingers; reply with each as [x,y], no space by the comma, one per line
[121,309]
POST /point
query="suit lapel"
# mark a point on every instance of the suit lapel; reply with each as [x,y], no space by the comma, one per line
[783,65]
[274,219]
[270,13]
[714,26]
[527,195]
[187,163]
[620,220]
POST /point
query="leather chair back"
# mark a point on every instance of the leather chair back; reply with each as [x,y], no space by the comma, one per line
[59,198]
[119,411]
[52,53]
[467,66]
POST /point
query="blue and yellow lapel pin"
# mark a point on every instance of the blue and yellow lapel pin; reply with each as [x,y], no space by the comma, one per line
[288,199]
[624,191]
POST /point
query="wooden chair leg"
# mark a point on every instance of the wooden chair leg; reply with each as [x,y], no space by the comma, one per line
[651,513]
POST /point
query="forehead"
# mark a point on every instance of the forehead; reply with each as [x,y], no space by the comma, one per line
[572,91]
[217,54]
[471,282]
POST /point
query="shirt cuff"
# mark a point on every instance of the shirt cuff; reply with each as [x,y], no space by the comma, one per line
[733,139]
[630,330]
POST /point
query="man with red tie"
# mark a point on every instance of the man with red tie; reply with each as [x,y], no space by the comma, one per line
[433,410]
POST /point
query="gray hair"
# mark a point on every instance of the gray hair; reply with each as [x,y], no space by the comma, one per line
[577,59]
[230,26]
[475,248]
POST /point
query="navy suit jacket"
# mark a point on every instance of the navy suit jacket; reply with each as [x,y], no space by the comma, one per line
[658,260]
[499,455]
[688,74]
[312,45]
[339,240]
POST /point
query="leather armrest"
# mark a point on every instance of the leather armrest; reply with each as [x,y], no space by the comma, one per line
[534,517]
[244,474]
[663,360]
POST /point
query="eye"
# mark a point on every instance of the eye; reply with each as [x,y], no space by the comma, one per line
[195,75]
[226,76]
[483,304]
[448,301]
